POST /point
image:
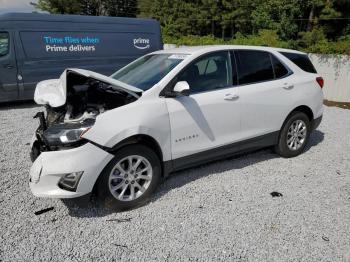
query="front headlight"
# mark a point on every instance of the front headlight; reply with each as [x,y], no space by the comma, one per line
[64,134]
[72,136]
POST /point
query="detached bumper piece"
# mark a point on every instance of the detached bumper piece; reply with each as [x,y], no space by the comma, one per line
[67,173]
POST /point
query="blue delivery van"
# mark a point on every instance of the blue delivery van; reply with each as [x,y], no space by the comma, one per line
[35,47]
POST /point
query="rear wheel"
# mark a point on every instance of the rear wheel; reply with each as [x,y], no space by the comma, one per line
[130,178]
[293,135]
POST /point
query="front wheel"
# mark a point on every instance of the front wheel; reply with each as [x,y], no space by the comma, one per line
[130,178]
[294,135]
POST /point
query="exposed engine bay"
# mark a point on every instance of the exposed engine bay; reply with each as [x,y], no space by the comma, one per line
[86,97]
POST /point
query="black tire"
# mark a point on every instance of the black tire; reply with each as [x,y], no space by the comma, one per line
[282,147]
[103,187]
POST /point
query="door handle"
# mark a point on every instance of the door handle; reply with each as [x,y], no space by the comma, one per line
[231,96]
[288,87]
[8,66]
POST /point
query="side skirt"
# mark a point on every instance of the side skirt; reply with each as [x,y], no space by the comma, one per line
[220,152]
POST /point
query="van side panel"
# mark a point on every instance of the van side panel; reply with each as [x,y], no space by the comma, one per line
[48,44]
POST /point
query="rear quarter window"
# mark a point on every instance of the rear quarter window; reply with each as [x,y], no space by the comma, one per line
[301,60]
[279,69]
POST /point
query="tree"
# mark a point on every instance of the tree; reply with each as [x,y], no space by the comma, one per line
[296,22]
[124,8]
[144,7]
[59,6]
[127,8]
[280,15]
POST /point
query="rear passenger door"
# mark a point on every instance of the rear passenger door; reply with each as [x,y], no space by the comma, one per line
[265,92]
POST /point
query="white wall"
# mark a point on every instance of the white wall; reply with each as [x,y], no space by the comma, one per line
[336,72]
[169,46]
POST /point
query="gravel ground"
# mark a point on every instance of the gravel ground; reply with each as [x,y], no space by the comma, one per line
[219,211]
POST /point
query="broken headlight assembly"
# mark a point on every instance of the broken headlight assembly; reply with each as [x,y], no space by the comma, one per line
[66,134]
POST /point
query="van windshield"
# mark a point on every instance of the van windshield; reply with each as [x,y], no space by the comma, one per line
[146,71]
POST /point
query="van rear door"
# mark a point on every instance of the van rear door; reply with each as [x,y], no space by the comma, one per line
[8,68]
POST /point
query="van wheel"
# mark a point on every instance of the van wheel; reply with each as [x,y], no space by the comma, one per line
[130,178]
[294,135]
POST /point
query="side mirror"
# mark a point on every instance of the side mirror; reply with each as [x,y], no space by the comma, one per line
[182,88]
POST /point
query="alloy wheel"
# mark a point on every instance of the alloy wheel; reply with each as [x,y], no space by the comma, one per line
[296,135]
[130,178]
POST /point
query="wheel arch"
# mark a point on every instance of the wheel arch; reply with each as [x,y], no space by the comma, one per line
[142,139]
[306,110]
[302,108]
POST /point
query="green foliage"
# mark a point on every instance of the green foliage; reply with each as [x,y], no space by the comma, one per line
[264,37]
[311,38]
[279,15]
[310,25]
[144,7]
[270,38]
[59,6]
[342,46]
[126,8]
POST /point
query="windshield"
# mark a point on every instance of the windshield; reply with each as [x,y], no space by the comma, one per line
[148,70]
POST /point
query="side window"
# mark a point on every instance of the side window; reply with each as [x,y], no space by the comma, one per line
[202,66]
[209,73]
[212,67]
[253,66]
[301,60]
[279,69]
[4,43]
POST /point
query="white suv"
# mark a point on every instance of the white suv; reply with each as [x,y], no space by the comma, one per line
[118,136]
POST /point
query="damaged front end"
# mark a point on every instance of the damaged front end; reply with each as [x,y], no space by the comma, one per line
[72,104]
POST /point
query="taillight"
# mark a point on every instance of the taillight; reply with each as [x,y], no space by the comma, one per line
[320,81]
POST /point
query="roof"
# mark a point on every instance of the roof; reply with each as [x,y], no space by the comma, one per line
[71,18]
[192,50]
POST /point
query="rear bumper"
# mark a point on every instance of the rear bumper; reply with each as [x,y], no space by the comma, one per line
[316,122]
[50,166]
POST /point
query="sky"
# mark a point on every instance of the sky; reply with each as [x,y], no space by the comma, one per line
[16,6]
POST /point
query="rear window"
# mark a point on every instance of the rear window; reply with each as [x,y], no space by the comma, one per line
[302,61]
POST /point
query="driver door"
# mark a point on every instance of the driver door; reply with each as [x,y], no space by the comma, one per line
[209,118]
[8,69]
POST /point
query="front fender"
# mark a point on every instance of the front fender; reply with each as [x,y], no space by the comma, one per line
[143,117]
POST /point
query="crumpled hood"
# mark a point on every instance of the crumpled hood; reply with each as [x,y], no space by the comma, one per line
[53,92]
